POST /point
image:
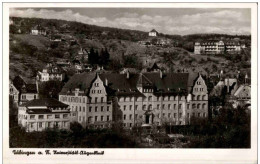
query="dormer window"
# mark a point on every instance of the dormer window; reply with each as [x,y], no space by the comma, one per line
[96,84]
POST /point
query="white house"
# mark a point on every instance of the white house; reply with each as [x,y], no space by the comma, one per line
[153,32]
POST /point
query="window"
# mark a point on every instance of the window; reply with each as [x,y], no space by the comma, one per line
[136,107]
[107,118]
[40,124]
[158,106]
[188,115]
[174,106]
[130,117]
[198,97]
[79,118]
[198,114]
[57,116]
[49,116]
[163,114]
[150,98]
[198,106]
[23,97]
[83,109]
[108,108]
[174,116]
[101,118]
[180,106]
[96,84]
[34,96]
[102,99]
[40,116]
[124,116]
[204,114]
[144,107]
[136,115]
[96,99]
[65,115]
[76,108]
[180,114]
[188,106]
[204,97]
[90,109]
[169,106]
[95,118]
[96,108]
[130,124]
[193,106]
[83,100]
[204,106]
[80,108]
[169,115]
[130,107]
[32,116]
[102,108]
[163,106]
[124,107]
[93,91]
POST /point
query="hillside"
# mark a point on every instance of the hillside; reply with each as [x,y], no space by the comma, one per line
[29,53]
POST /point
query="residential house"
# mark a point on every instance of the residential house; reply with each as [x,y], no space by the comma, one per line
[153,33]
[51,72]
[22,91]
[38,30]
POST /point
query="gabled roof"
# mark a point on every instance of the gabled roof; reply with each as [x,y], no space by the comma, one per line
[153,30]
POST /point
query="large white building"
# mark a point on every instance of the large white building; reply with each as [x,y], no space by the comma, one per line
[217,47]
[136,99]
[41,114]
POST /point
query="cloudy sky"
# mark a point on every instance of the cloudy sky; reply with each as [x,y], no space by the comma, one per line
[169,21]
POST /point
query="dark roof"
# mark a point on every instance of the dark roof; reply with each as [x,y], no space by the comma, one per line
[23,87]
[49,102]
[38,27]
[31,88]
[121,85]
[153,30]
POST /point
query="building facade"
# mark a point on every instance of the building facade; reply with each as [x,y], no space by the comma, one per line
[217,47]
[136,99]
[41,114]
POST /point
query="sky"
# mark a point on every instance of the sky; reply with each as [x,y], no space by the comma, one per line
[180,21]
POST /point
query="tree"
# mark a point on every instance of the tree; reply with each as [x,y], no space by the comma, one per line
[104,57]
[93,57]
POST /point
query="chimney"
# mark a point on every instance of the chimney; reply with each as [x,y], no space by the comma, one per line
[106,82]
[161,74]
[228,85]
[127,74]
[246,79]
[37,86]
[76,91]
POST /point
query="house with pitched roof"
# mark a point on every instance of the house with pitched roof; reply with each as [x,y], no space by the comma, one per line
[136,99]
[41,114]
[26,91]
[153,32]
